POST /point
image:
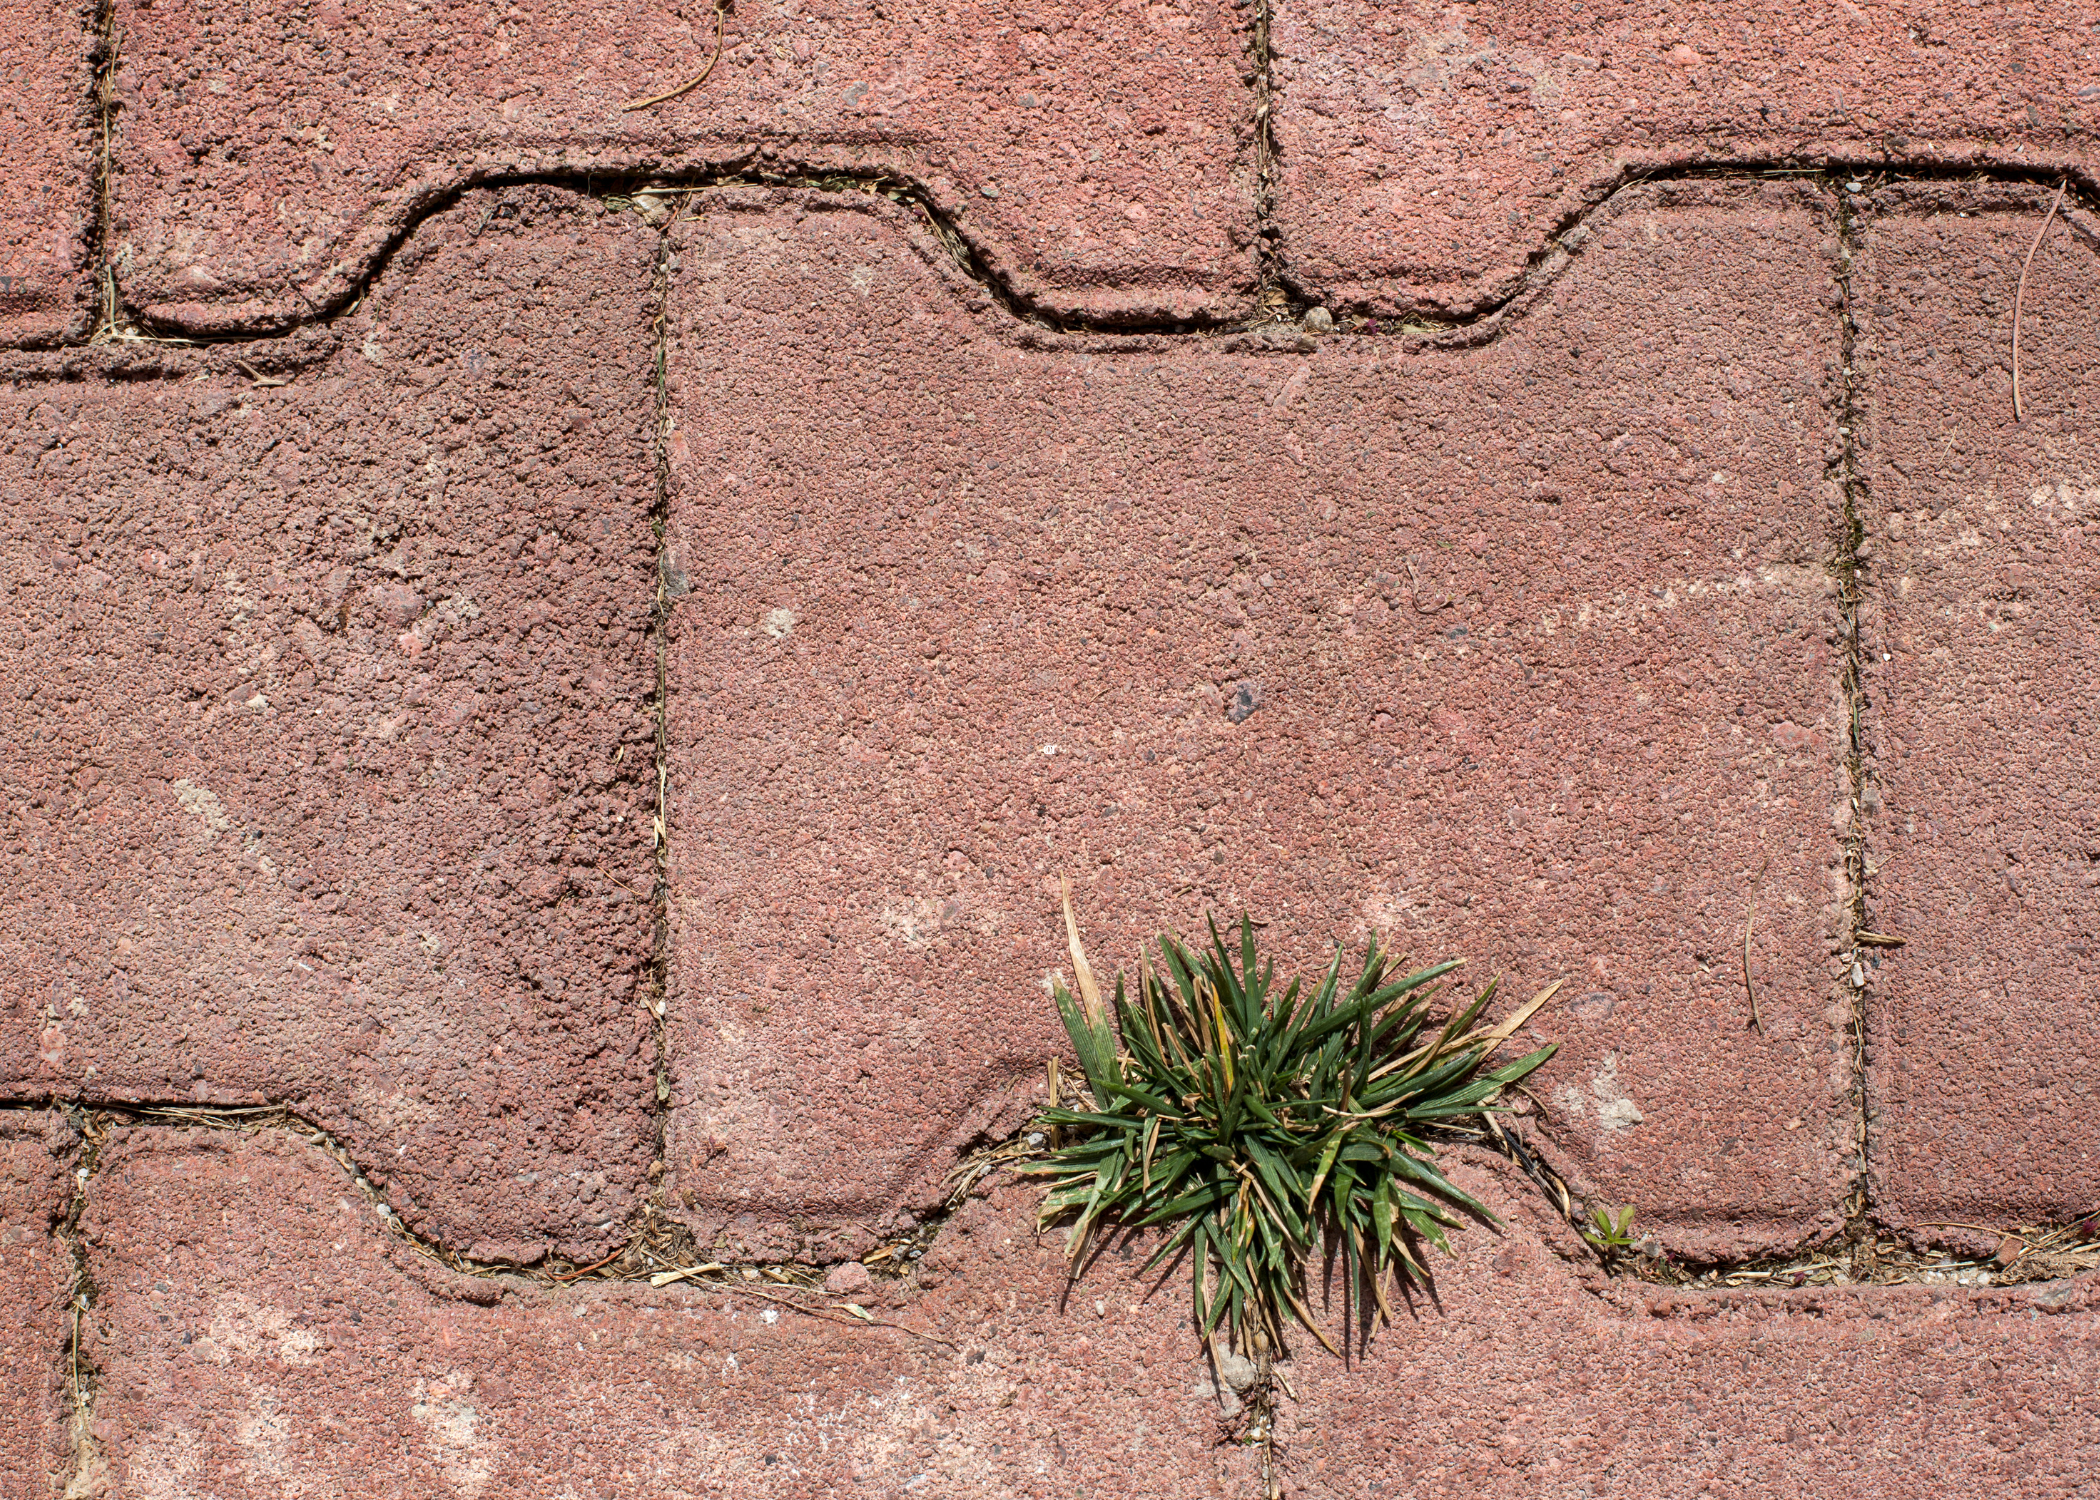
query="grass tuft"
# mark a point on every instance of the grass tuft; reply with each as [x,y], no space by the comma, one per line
[1257,1125]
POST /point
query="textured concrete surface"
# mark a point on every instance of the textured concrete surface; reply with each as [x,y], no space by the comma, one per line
[1522,652]
[47,146]
[1982,630]
[328,772]
[259,1334]
[37,1158]
[1430,151]
[1100,156]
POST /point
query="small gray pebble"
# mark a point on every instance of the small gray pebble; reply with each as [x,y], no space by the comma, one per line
[1035,1138]
[1318,320]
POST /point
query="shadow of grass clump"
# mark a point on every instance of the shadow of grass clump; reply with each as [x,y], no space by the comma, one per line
[1254,1125]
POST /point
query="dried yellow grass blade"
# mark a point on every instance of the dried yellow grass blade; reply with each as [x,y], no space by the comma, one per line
[1491,1036]
[1082,971]
[1502,1032]
[1305,1317]
[665,1278]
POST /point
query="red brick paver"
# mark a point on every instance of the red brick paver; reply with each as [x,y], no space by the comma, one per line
[327,778]
[1524,652]
[1100,157]
[1430,152]
[37,1158]
[1982,630]
[47,150]
[1522,1378]
[259,1335]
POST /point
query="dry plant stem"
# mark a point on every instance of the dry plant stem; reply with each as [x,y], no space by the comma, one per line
[819,1314]
[665,1278]
[1750,921]
[2020,295]
[261,380]
[692,83]
[596,1265]
[2003,1234]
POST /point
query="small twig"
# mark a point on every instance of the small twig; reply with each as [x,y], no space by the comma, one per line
[2020,296]
[260,379]
[721,7]
[599,1266]
[2003,1234]
[1749,921]
[604,874]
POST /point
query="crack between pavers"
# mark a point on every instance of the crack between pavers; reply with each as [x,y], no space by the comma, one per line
[757,167]
[661,1250]
[82,1379]
[1288,300]
[657,1225]
[1273,296]
[638,1260]
[1273,301]
[102,105]
[1848,567]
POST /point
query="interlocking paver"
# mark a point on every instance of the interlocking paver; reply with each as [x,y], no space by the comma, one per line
[1430,153]
[47,155]
[37,1157]
[1982,629]
[327,779]
[1518,1379]
[1100,156]
[1524,652]
[257,1334]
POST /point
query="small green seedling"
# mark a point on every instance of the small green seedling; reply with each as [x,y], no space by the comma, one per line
[1610,1231]
[1257,1124]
